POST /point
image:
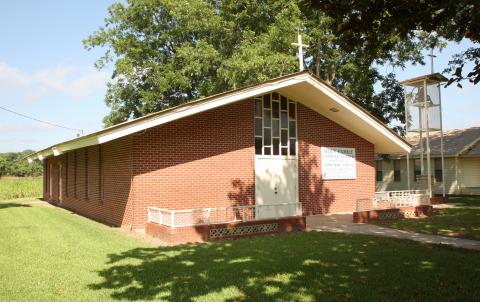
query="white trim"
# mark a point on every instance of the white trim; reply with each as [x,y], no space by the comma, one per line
[194,109]
[361,114]
[199,106]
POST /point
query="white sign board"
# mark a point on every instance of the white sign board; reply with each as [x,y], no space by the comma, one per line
[338,163]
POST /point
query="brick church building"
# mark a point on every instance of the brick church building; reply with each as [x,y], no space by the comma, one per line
[286,148]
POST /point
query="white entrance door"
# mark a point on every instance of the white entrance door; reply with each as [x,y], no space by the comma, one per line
[276,183]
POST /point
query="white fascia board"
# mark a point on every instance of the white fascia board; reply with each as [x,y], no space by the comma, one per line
[364,116]
[64,147]
[77,144]
[201,107]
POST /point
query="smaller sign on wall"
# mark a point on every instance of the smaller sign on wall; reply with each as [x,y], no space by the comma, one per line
[338,163]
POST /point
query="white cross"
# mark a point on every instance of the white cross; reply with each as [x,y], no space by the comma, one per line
[300,50]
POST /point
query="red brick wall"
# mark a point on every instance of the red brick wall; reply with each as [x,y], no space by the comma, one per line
[329,196]
[113,208]
[206,160]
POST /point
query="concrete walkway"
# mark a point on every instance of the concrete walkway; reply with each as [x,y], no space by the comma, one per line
[342,223]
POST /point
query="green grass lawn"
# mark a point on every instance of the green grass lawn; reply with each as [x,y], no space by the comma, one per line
[20,187]
[460,221]
[49,254]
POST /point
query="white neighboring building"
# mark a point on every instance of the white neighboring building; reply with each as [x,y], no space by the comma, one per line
[462,164]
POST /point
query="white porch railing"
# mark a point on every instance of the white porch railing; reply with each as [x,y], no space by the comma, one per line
[394,199]
[192,217]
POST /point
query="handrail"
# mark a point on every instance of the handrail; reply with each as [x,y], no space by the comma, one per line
[393,199]
[202,216]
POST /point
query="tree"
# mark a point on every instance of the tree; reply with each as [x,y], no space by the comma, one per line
[168,52]
[13,164]
[3,166]
[371,25]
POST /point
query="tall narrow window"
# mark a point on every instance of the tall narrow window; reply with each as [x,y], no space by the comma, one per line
[45,177]
[100,173]
[275,125]
[50,182]
[379,170]
[396,170]
[75,170]
[87,193]
[438,170]
[416,169]
[66,175]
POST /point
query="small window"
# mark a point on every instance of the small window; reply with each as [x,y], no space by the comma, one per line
[66,174]
[87,186]
[258,108]
[291,110]
[275,110]
[293,147]
[379,170]
[100,173]
[284,138]
[284,120]
[266,101]
[276,146]
[396,170]
[438,170]
[284,103]
[276,128]
[267,137]
[416,169]
[266,118]
[258,145]
[75,169]
[292,129]
[258,127]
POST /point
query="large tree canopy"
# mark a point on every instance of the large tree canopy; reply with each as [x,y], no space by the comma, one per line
[370,24]
[167,52]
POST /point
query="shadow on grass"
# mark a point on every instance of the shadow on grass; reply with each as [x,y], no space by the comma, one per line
[462,220]
[12,205]
[306,266]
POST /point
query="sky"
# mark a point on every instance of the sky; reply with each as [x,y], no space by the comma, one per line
[45,72]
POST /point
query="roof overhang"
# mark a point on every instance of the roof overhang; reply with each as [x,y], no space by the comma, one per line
[301,87]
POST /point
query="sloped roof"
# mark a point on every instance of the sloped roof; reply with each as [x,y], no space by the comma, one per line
[302,86]
[473,151]
[455,142]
